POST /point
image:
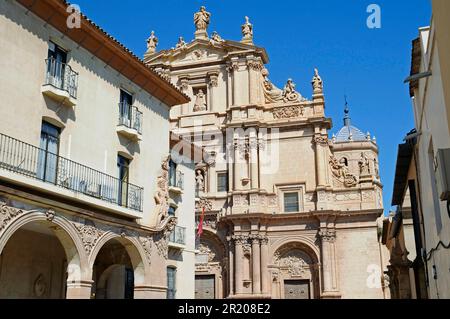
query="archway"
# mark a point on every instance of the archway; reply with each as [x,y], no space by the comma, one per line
[295,272]
[38,258]
[211,268]
[117,268]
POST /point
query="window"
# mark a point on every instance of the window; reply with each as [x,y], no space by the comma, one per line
[172,173]
[48,154]
[291,204]
[172,211]
[57,59]
[171,282]
[222,182]
[123,165]
[126,101]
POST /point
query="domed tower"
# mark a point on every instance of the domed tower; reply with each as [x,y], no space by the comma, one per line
[354,164]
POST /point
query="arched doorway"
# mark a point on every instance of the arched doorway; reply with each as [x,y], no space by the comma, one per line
[117,270]
[295,272]
[38,259]
[211,266]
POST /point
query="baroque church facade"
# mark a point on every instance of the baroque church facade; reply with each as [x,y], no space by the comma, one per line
[288,211]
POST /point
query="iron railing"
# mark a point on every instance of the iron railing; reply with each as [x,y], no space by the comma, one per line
[178,236]
[31,161]
[130,117]
[61,76]
[176,179]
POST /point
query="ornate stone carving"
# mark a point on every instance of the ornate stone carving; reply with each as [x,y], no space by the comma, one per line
[289,93]
[7,213]
[152,43]
[368,196]
[181,44]
[232,66]
[246,247]
[317,83]
[161,196]
[273,201]
[216,38]
[327,234]
[162,245]
[184,82]
[147,243]
[204,203]
[213,79]
[287,112]
[207,251]
[364,165]
[347,196]
[50,214]
[255,65]
[296,262]
[340,171]
[321,140]
[89,236]
[200,181]
[200,101]
[247,32]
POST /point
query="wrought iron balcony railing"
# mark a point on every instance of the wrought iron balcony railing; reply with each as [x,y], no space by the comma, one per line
[130,117]
[176,179]
[25,159]
[61,76]
[178,236]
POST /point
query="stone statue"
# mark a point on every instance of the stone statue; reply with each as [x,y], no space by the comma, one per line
[202,19]
[363,163]
[216,38]
[271,93]
[200,181]
[317,82]
[341,172]
[247,31]
[289,93]
[152,42]
[200,102]
[181,43]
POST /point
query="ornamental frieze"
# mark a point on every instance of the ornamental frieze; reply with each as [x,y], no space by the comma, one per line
[147,243]
[287,112]
[341,173]
[89,236]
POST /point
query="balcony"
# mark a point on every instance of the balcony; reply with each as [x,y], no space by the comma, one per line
[176,181]
[102,190]
[61,82]
[177,238]
[130,122]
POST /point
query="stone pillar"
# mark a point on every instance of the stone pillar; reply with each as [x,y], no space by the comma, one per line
[254,161]
[329,266]
[256,261]
[254,66]
[321,144]
[231,266]
[236,88]
[213,84]
[238,265]
[264,262]
[80,289]
[236,169]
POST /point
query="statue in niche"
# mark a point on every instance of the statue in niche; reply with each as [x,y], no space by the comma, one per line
[200,181]
[363,163]
[202,19]
[200,101]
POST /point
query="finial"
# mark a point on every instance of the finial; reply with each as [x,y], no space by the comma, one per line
[247,32]
[346,111]
[152,42]
[201,21]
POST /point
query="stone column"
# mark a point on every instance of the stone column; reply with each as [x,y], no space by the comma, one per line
[254,161]
[256,259]
[236,169]
[213,84]
[80,289]
[264,262]
[236,88]
[254,66]
[231,266]
[321,144]
[329,267]
[238,265]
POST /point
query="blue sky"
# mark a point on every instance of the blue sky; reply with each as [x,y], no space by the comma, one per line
[367,65]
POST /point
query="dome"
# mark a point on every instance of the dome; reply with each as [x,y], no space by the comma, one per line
[349,133]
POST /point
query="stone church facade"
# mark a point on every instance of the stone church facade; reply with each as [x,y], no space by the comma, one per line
[288,211]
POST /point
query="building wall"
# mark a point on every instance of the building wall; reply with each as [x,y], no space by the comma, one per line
[88,132]
[430,118]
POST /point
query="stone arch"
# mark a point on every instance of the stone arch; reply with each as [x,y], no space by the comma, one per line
[65,232]
[308,242]
[135,251]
